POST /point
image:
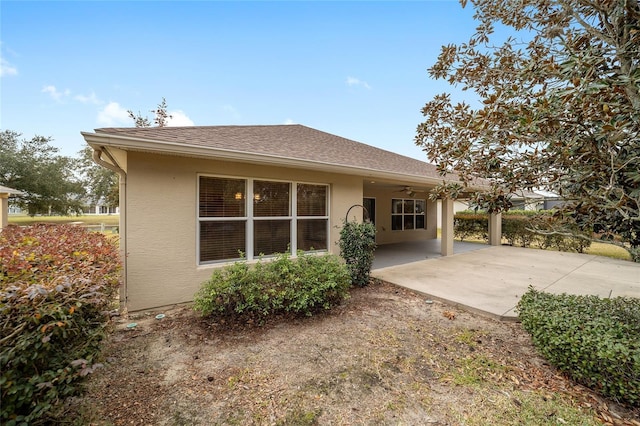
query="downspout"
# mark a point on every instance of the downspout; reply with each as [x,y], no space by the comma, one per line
[112,165]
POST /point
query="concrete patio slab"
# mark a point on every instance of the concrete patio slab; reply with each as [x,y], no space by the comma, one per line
[491,280]
[413,251]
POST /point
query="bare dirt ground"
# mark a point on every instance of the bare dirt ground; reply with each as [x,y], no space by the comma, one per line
[387,356]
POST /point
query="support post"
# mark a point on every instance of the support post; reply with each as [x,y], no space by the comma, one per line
[495,229]
[446,237]
[4,210]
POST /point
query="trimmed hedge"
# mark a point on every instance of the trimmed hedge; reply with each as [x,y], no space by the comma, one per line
[516,227]
[57,283]
[474,225]
[594,341]
[301,286]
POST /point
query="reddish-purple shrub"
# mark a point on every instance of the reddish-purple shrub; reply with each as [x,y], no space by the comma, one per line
[57,285]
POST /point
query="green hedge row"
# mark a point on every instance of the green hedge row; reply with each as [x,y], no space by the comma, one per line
[595,341]
[471,225]
[516,229]
[303,285]
[57,284]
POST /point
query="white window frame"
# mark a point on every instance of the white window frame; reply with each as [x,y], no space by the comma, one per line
[199,219]
[249,219]
[294,221]
[414,214]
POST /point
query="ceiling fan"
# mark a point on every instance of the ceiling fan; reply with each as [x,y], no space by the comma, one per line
[409,191]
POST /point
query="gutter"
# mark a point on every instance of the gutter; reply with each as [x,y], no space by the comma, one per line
[113,165]
[171,148]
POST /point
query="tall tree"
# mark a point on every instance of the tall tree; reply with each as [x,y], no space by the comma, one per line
[161,116]
[46,179]
[559,109]
[100,183]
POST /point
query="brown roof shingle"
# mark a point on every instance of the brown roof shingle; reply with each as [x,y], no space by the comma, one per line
[285,141]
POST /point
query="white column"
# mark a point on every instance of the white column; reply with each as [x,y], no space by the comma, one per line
[495,229]
[446,237]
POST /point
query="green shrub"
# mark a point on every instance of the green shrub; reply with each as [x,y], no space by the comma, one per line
[283,285]
[547,223]
[357,244]
[595,341]
[57,284]
[529,213]
[518,229]
[470,225]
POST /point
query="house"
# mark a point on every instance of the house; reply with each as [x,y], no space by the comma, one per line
[195,198]
[99,207]
[527,200]
[5,193]
[550,200]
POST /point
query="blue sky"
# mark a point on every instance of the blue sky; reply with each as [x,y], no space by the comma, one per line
[355,69]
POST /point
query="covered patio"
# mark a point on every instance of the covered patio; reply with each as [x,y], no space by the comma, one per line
[414,251]
[407,220]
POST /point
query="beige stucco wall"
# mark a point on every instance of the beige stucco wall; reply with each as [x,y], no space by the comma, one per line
[385,235]
[161,203]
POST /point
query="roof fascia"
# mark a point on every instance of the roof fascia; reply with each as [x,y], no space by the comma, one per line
[171,148]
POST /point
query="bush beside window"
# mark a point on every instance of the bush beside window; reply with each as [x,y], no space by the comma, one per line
[57,285]
[301,286]
[594,341]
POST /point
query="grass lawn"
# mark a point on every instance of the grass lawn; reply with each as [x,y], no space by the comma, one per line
[108,220]
[609,250]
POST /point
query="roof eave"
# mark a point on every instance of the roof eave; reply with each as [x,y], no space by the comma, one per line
[9,191]
[170,148]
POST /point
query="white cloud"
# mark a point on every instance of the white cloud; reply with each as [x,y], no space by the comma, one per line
[55,93]
[179,118]
[356,82]
[6,68]
[91,99]
[113,114]
[289,121]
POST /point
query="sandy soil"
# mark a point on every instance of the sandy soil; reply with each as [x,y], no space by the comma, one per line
[386,356]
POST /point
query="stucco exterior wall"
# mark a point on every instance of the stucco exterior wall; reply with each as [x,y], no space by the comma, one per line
[161,200]
[385,235]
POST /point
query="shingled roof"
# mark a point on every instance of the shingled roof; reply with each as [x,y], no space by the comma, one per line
[290,142]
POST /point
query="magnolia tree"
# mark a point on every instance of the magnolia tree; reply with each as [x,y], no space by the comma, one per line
[559,109]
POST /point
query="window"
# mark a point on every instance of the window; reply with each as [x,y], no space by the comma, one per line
[272,219]
[313,218]
[222,218]
[407,214]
